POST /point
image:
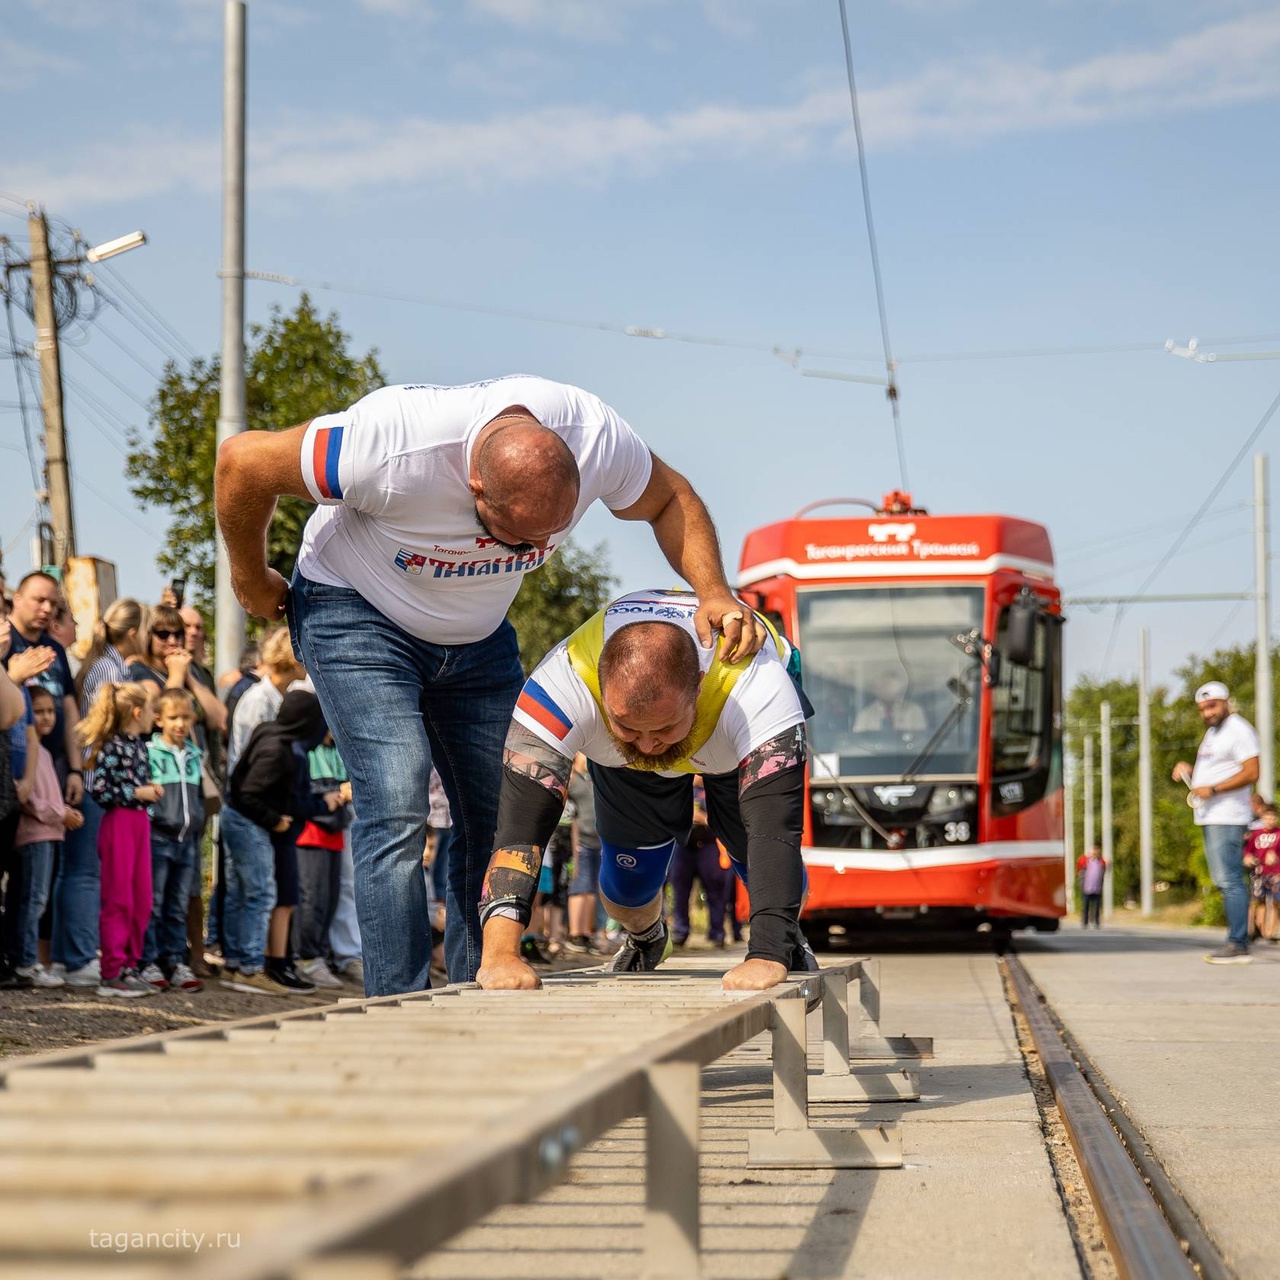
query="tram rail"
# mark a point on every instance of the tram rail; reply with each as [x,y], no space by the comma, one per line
[1151,1230]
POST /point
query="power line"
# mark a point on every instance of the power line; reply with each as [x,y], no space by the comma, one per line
[891,391]
[1240,455]
[133,355]
[110,377]
[180,342]
[120,511]
[19,371]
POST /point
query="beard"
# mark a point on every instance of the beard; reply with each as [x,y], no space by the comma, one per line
[520,548]
[675,754]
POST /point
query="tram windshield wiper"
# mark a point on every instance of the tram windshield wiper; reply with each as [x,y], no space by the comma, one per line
[983,653]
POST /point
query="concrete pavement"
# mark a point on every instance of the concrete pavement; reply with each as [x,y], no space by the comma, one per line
[1193,1052]
[976,1197]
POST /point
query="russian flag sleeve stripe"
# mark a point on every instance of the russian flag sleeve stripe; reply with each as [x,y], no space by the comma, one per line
[325,452]
[541,707]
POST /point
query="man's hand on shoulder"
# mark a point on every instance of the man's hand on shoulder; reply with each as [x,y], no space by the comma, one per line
[507,973]
[262,595]
[754,975]
[744,634]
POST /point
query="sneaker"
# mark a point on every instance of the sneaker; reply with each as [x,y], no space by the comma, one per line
[132,978]
[120,988]
[89,975]
[12,980]
[251,983]
[153,975]
[41,977]
[353,972]
[802,958]
[1230,954]
[318,973]
[288,979]
[530,951]
[636,956]
[578,944]
[184,978]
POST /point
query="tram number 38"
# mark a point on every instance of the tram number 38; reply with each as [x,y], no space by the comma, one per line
[956,833]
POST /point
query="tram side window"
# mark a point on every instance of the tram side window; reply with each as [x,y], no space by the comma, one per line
[1020,707]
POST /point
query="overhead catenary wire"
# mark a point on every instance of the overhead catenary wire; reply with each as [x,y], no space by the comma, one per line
[1177,543]
[891,390]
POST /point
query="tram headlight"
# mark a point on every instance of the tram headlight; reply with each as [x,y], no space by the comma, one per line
[945,799]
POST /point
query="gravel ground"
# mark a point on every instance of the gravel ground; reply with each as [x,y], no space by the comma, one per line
[36,1021]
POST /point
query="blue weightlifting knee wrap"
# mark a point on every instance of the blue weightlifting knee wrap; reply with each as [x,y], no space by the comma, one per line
[634,877]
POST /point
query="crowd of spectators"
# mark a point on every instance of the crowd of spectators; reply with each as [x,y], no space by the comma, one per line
[133,789]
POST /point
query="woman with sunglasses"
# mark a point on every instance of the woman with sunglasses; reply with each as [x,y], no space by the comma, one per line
[165,663]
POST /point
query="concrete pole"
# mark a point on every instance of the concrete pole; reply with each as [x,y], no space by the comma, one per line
[1144,771]
[229,616]
[1264,709]
[1088,792]
[1108,828]
[1068,824]
[57,467]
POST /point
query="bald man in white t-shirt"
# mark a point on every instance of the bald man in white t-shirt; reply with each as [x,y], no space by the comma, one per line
[433,502]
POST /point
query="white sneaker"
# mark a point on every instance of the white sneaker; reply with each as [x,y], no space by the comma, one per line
[42,977]
[153,975]
[88,976]
[318,973]
[59,968]
[184,979]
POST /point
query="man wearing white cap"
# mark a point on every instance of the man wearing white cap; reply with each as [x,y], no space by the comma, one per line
[1221,783]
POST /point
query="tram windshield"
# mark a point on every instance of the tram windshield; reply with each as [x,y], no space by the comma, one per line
[884,679]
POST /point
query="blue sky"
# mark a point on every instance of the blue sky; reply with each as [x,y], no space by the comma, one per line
[1074,173]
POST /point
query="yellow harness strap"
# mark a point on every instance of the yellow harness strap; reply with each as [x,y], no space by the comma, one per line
[584,647]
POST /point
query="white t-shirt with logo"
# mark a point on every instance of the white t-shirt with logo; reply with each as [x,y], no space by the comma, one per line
[557,706]
[1222,752]
[396,520]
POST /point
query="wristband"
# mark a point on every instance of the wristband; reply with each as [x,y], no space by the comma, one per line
[78,772]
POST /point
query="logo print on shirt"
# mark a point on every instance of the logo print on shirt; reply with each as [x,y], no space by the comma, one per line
[410,562]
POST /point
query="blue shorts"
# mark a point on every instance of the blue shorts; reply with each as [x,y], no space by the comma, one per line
[546,881]
[586,871]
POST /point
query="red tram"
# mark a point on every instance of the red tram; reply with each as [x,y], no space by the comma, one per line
[932,653]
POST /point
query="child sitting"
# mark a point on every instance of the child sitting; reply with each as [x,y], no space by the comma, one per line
[177,819]
[1262,857]
[45,817]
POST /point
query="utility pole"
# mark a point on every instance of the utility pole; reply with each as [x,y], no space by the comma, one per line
[1108,829]
[229,616]
[1144,771]
[1264,711]
[1088,792]
[57,466]
[1068,823]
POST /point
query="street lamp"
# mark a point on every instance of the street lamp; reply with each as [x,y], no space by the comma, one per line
[121,244]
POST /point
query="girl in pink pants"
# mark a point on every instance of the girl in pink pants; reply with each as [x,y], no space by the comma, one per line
[115,733]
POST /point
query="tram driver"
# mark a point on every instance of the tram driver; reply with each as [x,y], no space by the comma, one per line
[890,709]
[649,707]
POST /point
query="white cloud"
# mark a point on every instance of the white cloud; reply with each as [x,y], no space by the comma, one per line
[1228,62]
[24,65]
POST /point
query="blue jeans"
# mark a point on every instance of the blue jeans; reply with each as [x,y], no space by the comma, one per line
[249,864]
[395,704]
[1224,852]
[37,877]
[173,868]
[77,893]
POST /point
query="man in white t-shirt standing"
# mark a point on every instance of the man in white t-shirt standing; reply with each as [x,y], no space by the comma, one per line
[649,709]
[1221,783]
[433,504]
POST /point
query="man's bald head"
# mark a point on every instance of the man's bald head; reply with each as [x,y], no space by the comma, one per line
[525,478]
[645,663]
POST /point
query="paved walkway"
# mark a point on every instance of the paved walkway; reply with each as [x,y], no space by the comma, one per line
[1193,1051]
[976,1198]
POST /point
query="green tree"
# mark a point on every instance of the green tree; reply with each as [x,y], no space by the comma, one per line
[559,598]
[1176,730]
[297,366]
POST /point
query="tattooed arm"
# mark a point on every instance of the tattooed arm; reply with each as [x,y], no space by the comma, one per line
[771,801]
[535,781]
